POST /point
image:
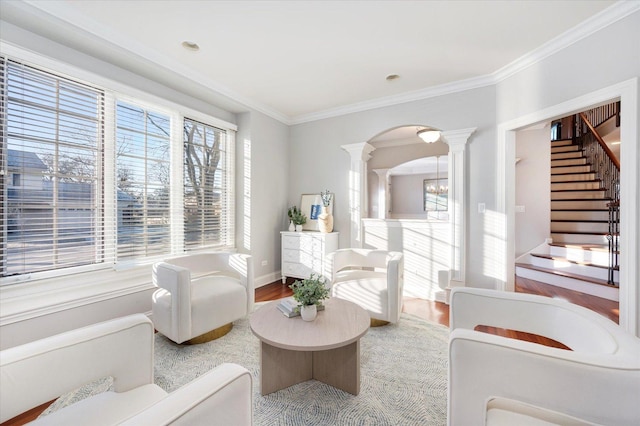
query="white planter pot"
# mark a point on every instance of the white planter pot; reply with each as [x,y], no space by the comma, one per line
[292,227]
[298,228]
[308,312]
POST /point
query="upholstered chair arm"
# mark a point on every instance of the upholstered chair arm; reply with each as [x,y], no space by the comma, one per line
[598,388]
[232,264]
[358,258]
[223,396]
[575,326]
[37,372]
[395,282]
[177,281]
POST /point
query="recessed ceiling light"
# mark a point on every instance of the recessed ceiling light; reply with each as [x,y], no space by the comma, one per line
[392,77]
[190,45]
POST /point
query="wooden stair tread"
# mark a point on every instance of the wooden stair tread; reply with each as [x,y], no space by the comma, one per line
[579,210]
[577,181]
[578,190]
[581,199]
[595,247]
[604,234]
[564,259]
[580,220]
[565,274]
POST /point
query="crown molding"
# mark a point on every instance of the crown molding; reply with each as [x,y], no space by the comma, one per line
[64,12]
[608,16]
[417,95]
[99,32]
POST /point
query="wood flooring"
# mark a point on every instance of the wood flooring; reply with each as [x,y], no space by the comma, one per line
[439,312]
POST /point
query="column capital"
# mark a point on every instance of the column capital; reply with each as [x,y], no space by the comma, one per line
[359,151]
[381,172]
[457,139]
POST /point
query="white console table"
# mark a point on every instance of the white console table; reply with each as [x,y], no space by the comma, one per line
[303,253]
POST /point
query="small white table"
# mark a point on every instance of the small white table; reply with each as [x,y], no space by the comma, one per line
[326,349]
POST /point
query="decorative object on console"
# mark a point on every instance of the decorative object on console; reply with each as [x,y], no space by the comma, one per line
[290,308]
[325,219]
[311,205]
[309,293]
[297,217]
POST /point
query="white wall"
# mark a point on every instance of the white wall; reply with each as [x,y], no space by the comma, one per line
[262,180]
[407,194]
[533,188]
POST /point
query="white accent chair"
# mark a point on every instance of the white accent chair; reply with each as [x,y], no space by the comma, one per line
[496,380]
[40,371]
[200,293]
[372,279]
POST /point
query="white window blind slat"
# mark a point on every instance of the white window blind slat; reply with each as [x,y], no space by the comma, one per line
[205,188]
[52,143]
[143,182]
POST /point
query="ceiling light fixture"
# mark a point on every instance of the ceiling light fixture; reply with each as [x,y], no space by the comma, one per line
[191,45]
[429,135]
[392,77]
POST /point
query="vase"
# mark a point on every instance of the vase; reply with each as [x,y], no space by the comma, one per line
[325,220]
[292,227]
[308,312]
[298,228]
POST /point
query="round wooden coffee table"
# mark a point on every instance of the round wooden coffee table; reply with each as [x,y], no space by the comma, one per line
[326,349]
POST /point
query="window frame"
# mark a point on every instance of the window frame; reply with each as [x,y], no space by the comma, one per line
[113,93]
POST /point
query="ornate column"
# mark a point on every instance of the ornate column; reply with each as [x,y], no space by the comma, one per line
[383,192]
[360,154]
[457,139]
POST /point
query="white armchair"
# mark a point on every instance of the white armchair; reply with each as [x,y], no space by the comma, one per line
[372,279]
[497,380]
[200,295]
[37,372]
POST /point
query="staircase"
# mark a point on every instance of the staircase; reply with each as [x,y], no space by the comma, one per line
[577,256]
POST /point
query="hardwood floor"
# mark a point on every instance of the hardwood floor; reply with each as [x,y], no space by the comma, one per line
[439,312]
[436,312]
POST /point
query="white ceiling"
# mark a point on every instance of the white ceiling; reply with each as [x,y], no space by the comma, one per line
[301,60]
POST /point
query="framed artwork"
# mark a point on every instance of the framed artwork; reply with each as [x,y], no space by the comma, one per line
[436,195]
[311,206]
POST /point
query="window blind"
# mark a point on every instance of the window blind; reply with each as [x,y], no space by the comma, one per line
[143,182]
[207,187]
[51,181]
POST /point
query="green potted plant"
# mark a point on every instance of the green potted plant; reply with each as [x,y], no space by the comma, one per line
[291,212]
[298,219]
[309,293]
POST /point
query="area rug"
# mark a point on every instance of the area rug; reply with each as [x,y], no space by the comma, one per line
[403,378]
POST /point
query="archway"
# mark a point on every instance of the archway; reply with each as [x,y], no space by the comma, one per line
[358,201]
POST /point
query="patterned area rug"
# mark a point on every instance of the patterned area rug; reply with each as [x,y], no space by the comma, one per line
[403,378]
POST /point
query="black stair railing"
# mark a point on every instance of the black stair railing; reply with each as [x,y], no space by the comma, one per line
[606,167]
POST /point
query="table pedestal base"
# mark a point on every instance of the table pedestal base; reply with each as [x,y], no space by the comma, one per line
[281,368]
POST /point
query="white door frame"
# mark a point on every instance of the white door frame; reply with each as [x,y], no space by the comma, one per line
[627,92]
